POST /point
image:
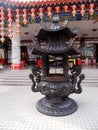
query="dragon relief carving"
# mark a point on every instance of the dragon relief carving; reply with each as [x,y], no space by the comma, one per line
[35,77]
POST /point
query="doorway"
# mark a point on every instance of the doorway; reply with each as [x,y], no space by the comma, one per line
[97,53]
[24,54]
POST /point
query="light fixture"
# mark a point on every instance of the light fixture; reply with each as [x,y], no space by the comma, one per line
[26,33]
[94,29]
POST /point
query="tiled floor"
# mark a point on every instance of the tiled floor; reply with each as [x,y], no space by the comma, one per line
[18,109]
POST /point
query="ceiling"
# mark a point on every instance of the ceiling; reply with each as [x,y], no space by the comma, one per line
[29,3]
[87,29]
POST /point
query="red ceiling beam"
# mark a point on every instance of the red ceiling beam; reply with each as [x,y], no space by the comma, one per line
[43,2]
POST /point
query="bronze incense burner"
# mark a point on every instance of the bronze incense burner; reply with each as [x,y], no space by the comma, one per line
[56,86]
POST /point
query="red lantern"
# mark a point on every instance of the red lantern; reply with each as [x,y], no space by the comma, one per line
[2,39]
[10,23]
[2,29]
[41,15]
[18,21]
[82,9]
[18,32]
[24,16]
[18,26]
[17,15]
[10,35]
[2,34]
[17,11]
[32,13]
[57,8]
[65,8]
[91,9]
[49,11]
[2,24]
[10,31]
[74,10]
[10,20]
[1,8]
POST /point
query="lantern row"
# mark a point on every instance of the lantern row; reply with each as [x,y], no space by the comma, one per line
[33,15]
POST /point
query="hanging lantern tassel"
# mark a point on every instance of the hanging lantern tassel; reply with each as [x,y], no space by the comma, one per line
[41,15]
[91,9]
[74,10]
[49,12]
[2,25]
[82,9]
[24,17]
[32,13]
[18,21]
[10,23]
[65,8]
[18,28]
[57,8]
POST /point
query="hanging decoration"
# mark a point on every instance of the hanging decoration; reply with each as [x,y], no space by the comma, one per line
[18,21]
[50,6]
[32,13]
[24,17]
[74,10]
[65,8]
[49,11]
[82,9]
[91,9]
[10,23]
[41,15]
[2,24]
